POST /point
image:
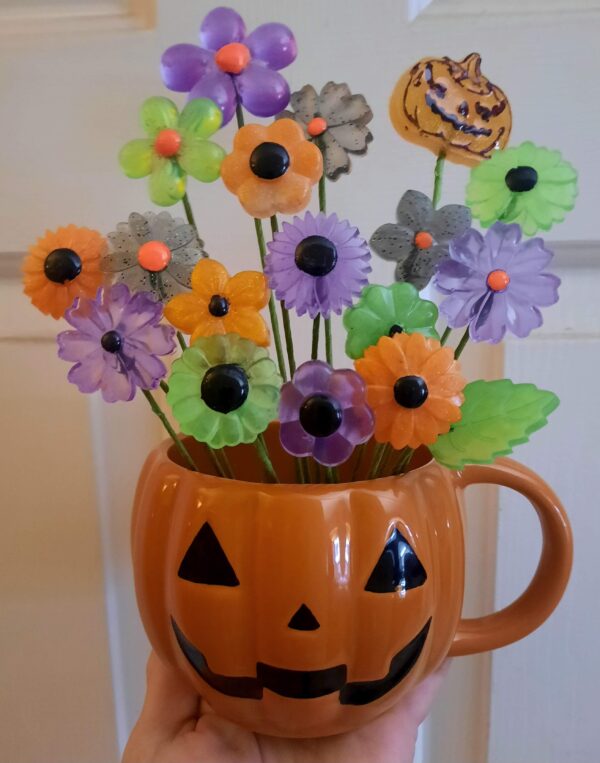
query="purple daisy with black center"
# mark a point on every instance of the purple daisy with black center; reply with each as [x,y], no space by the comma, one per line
[323,413]
[116,342]
[317,264]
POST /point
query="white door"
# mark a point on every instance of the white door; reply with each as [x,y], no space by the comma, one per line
[73,75]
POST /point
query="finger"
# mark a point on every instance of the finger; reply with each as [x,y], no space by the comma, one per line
[418,701]
[170,701]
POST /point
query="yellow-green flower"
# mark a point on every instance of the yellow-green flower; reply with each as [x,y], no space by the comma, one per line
[176,146]
[224,390]
[529,185]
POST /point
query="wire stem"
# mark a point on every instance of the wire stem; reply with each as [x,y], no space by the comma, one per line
[445,335]
[360,457]
[462,344]
[239,114]
[314,353]
[263,453]
[164,386]
[438,174]
[378,455]
[167,425]
[188,212]
[328,343]
[403,461]
[331,475]
[322,194]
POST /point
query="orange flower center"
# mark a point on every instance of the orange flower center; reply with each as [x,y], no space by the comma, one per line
[316,126]
[167,143]
[233,58]
[498,280]
[154,256]
[423,239]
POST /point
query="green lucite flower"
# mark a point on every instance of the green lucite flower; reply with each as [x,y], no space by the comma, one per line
[495,417]
[529,185]
[176,146]
[224,390]
[384,311]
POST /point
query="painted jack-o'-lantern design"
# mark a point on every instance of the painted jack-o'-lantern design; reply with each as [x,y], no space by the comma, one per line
[451,107]
[307,610]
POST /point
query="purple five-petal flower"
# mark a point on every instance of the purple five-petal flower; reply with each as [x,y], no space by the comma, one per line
[257,85]
[495,283]
[323,413]
[115,344]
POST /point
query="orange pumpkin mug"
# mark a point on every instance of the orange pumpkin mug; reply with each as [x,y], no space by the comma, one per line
[308,610]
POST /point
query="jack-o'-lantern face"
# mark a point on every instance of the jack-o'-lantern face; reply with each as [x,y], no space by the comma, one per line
[451,107]
[297,610]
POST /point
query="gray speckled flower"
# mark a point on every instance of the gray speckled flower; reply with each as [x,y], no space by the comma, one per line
[421,237]
[155,253]
[334,119]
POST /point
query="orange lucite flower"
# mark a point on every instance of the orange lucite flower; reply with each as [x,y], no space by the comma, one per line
[414,387]
[62,265]
[219,304]
[272,168]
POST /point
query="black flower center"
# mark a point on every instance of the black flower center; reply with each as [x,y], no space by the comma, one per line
[62,265]
[395,329]
[111,341]
[520,179]
[410,391]
[269,161]
[320,415]
[225,387]
[316,255]
[218,306]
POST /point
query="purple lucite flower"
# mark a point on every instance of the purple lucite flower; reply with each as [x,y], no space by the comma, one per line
[495,283]
[317,264]
[115,344]
[323,413]
[231,67]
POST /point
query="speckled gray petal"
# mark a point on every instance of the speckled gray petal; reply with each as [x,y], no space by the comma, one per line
[122,241]
[420,269]
[181,272]
[188,255]
[137,279]
[117,261]
[338,106]
[141,226]
[393,242]
[449,222]
[336,159]
[304,103]
[180,236]
[354,138]
[168,286]
[415,211]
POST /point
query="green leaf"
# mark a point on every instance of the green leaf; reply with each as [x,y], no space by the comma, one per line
[496,416]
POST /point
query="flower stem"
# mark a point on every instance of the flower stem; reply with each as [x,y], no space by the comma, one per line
[322,194]
[328,344]
[263,453]
[164,386]
[445,335]
[239,114]
[220,457]
[287,328]
[188,212]
[332,475]
[437,179]
[260,237]
[181,340]
[403,461]
[360,457]
[462,344]
[387,452]
[165,422]
[314,354]
[378,455]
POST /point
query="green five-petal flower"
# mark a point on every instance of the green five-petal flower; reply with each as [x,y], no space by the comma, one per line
[384,311]
[177,145]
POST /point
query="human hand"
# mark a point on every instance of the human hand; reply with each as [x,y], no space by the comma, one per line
[176,726]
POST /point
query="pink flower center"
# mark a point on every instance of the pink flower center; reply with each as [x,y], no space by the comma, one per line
[154,256]
[316,126]
[233,58]
[423,239]
[498,280]
[167,143]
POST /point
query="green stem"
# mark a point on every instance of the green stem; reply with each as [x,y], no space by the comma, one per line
[262,248]
[181,340]
[164,386]
[437,179]
[188,212]
[289,342]
[378,455]
[322,194]
[332,475]
[239,114]
[328,344]
[360,457]
[404,460]
[167,425]
[314,354]
[220,456]
[387,452]
[445,335]
[462,344]
[263,453]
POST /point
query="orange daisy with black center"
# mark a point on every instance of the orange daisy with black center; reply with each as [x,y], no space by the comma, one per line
[62,265]
[414,387]
[272,168]
[220,304]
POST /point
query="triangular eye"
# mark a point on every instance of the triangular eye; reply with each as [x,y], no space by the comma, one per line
[205,561]
[397,568]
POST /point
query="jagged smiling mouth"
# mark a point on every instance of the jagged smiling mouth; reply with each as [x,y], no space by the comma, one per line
[305,684]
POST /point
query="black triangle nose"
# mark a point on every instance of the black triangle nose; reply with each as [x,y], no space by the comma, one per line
[304,620]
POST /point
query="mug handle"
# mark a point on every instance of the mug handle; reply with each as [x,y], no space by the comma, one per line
[537,602]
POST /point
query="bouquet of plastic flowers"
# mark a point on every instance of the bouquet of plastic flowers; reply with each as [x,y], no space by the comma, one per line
[149,289]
